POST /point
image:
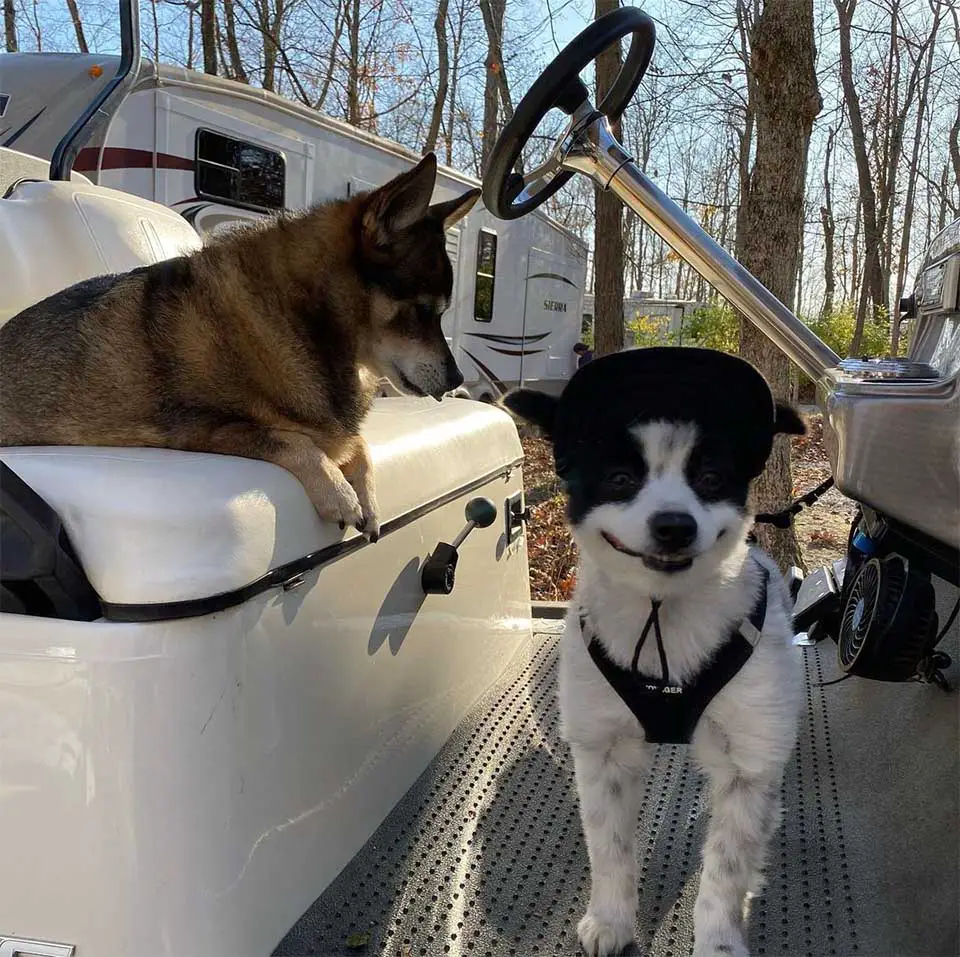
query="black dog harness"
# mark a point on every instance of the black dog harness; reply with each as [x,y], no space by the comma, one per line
[668,713]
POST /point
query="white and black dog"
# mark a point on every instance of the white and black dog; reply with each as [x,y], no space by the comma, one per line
[679,631]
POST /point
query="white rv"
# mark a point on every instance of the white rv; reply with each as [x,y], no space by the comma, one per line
[222,153]
[668,313]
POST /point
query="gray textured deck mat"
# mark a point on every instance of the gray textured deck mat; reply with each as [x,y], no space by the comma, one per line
[484,855]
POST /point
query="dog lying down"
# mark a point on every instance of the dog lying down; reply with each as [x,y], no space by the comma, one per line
[267,344]
[679,630]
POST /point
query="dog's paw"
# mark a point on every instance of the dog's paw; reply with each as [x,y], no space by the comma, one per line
[600,938]
[340,505]
[720,944]
[369,523]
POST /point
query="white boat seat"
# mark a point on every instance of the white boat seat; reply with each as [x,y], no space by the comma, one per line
[55,234]
[157,527]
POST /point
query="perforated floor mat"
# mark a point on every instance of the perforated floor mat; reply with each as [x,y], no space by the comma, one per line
[485,856]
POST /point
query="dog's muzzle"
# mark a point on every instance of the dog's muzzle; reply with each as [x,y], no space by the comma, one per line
[657,562]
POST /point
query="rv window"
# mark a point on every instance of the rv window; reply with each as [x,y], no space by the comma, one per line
[235,172]
[486,271]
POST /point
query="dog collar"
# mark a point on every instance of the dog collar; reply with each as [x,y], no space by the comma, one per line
[669,712]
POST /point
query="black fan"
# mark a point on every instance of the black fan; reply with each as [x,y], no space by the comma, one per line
[888,620]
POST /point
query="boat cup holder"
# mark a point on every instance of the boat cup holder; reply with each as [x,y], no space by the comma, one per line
[439,572]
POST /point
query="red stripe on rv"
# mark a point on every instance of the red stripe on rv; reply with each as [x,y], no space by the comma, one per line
[121,157]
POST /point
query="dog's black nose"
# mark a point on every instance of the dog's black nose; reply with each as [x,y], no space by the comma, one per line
[673,530]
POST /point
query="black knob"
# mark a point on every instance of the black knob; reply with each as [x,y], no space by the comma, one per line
[439,573]
[481,511]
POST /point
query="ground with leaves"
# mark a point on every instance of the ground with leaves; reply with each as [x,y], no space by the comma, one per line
[822,529]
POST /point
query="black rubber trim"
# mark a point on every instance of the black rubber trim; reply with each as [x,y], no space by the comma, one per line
[559,86]
[935,556]
[277,577]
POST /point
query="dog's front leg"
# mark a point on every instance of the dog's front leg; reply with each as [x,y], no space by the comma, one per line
[325,485]
[609,787]
[358,470]
[745,813]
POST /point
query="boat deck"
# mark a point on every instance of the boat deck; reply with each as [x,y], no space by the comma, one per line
[484,855]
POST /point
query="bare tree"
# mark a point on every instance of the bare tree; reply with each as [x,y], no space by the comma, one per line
[208,35]
[872,283]
[955,147]
[608,231]
[353,67]
[237,71]
[191,16]
[829,230]
[339,19]
[10,25]
[77,26]
[452,110]
[787,102]
[496,90]
[912,172]
[443,71]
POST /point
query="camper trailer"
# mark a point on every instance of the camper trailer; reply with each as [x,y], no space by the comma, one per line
[668,314]
[224,154]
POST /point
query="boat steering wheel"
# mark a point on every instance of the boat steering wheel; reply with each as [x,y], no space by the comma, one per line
[507,194]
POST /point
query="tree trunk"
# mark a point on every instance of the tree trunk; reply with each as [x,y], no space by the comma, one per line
[454,77]
[746,17]
[495,82]
[191,14]
[443,71]
[608,231]
[10,25]
[78,26]
[338,22]
[787,102]
[955,147]
[829,230]
[855,252]
[353,67]
[156,31]
[912,171]
[208,35]
[868,198]
[271,14]
[233,50]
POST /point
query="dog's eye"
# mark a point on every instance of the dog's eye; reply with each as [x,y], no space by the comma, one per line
[709,482]
[620,483]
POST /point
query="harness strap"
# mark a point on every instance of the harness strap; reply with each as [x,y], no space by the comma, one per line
[670,713]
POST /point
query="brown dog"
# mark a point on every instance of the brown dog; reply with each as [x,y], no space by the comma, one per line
[267,344]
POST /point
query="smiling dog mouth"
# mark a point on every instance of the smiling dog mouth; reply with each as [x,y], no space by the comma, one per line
[658,563]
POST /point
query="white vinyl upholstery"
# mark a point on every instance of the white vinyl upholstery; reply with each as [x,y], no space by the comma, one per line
[157,526]
[55,234]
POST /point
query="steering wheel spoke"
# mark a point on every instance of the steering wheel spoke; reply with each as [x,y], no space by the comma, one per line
[527,187]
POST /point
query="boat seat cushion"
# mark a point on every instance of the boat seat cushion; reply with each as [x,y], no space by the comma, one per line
[55,234]
[161,526]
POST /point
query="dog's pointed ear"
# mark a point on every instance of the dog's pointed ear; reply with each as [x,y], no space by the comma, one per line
[787,421]
[537,408]
[400,203]
[451,212]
